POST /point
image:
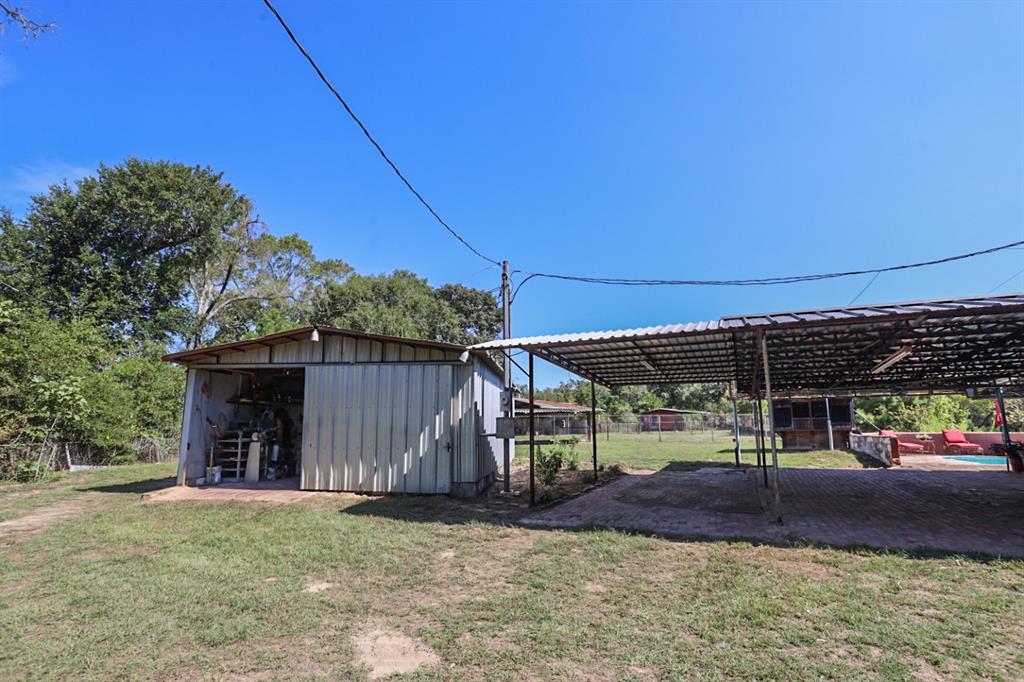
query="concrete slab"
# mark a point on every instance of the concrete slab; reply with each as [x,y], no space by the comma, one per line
[265,492]
[955,511]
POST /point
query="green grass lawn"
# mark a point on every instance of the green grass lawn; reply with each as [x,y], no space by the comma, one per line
[689,450]
[136,590]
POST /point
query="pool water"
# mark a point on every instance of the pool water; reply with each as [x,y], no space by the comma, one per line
[979,459]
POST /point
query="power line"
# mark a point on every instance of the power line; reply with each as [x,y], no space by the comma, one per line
[620,281]
[866,287]
[766,281]
[1019,272]
[369,136]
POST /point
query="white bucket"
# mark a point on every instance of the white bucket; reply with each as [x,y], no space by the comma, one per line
[213,475]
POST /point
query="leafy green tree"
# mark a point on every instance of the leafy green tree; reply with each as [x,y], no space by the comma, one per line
[403,304]
[904,413]
[252,283]
[478,312]
[702,397]
[64,380]
[118,246]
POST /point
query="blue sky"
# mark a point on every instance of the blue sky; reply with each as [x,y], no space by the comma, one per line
[636,140]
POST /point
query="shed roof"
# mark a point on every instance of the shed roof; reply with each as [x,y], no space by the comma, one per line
[554,406]
[955,343]
[303,334]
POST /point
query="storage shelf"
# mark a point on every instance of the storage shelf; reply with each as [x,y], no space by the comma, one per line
[257,401]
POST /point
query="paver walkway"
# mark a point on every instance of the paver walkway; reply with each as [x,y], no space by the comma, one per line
[956,511]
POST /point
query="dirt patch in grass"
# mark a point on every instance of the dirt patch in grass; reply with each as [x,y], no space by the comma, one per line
[36,522]
[317,586]
[389,652]
[17,586]
[796,561]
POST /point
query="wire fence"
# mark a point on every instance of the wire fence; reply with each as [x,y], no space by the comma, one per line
[657,426]
[34,460]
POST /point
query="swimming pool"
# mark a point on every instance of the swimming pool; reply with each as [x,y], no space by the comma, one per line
[979,459]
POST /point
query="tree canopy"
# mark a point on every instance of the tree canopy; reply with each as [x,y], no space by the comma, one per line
[403,304]
[100,278]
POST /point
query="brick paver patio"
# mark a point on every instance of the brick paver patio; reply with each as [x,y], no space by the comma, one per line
[956,511]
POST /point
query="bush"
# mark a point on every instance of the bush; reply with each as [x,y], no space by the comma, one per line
[547,464]
[572,457]
[67,382]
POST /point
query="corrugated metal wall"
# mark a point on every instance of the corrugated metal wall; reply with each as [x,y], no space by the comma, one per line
[379,428]
[206,393]
[488,450]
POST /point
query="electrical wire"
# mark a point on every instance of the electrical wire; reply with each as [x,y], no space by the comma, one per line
[866,287]
[766,281]
[370,137]
[620,281]
[1005,281]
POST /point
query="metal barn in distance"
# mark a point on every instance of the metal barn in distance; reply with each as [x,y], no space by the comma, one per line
[341,410]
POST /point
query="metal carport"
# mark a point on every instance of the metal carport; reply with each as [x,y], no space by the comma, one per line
[917,347]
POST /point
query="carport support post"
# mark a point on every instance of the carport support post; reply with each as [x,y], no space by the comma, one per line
[736,425]
[593,424]
[760,438]
[533,434]
[771,426]
[828,423]
[755,423]
[1006,427]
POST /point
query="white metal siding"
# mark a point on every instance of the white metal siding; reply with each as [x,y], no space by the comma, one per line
[378,427]
[205,394]
[489,450]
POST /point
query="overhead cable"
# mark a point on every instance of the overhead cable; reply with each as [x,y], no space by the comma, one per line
[370,137]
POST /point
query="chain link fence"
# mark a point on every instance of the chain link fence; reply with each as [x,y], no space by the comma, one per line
[681,427]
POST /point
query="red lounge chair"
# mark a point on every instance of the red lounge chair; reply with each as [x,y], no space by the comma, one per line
[905,447]
[956,440]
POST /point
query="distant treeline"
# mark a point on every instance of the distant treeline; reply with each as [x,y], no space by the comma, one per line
[892,412]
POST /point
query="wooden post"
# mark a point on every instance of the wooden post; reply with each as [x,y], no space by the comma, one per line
[771,426]
[533,436]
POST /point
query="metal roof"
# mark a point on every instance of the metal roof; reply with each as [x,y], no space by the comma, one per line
[956,343]
[303,334]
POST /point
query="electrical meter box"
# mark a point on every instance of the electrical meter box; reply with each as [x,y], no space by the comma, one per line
[506,428]
[508,400]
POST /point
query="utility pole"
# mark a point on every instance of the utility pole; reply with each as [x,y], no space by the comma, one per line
[506,333]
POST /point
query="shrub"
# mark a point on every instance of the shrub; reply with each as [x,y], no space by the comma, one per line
[572,457]
[548,462]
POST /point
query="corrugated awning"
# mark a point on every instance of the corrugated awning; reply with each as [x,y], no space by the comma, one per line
[944,346]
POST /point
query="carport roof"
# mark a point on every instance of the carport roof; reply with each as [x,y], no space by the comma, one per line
[954,344]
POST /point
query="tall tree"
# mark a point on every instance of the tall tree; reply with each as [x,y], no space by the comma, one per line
[252,282]
[117,248]
[402,304]
[478,311]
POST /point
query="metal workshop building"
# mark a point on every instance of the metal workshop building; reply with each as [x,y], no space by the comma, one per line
[364,412]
